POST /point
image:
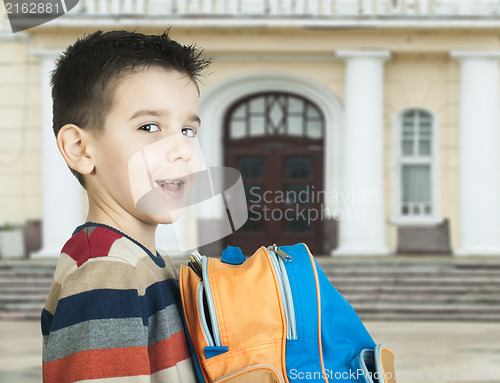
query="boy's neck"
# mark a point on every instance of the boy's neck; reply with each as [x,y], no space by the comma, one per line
[142,232]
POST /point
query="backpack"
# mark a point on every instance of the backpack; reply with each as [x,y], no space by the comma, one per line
[275,318]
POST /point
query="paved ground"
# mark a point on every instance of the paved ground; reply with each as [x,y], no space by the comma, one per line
[425,352]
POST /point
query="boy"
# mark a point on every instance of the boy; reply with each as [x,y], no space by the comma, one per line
[113,310]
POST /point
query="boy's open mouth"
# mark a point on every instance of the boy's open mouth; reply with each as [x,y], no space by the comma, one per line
[172,187]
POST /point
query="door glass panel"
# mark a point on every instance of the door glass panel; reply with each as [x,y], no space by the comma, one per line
[312,112]
[297,194]
[240,112]
[298,167]
[257,105]
[314,128]
[257,126]
[276,115]
[295,125]
[237,129]
[298,224]
[250,167]
[295,105]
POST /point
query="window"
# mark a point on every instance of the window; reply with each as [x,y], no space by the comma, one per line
[415,165]
[275,114]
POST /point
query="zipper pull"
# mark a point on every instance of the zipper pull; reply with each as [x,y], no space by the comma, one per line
[281,253]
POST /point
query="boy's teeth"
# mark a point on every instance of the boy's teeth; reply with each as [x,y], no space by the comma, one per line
[172,185]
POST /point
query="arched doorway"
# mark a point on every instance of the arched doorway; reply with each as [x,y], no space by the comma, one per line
[276,141]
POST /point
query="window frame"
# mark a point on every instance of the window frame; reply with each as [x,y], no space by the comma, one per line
[267,135]
[400,160]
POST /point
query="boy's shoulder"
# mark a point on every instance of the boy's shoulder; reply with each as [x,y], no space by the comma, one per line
[91,241]
[94,245]
[101,257]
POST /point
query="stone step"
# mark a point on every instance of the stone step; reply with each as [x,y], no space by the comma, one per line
[352,295]
[424,307]
[424,289]
[19,315]
[445,299]
[413,273]
[15,297]
[409,281]
[408,289]
[25,287]
[22,275]
[415,267]
[22,309]
[4,284]
[429,316]
[6,276]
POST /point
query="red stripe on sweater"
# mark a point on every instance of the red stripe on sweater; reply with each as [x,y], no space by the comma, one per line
[168,352]
[98,364]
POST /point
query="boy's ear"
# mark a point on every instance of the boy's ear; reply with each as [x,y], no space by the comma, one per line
[73,143]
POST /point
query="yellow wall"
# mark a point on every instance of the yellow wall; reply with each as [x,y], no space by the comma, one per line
[20,135]
[420,73]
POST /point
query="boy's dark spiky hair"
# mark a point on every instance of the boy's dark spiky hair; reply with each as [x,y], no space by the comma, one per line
[88,71]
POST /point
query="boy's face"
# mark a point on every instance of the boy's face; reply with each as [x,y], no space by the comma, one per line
[146,159]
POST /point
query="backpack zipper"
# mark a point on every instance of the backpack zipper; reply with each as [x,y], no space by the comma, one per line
[203,320]
[274,247]
[278,258]
[210,301]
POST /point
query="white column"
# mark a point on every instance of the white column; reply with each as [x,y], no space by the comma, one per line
[62,197]
[479,147]
[362,216]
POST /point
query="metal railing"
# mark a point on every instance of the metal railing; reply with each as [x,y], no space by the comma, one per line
[291,8]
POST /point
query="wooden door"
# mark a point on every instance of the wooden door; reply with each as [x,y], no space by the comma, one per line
[282,170]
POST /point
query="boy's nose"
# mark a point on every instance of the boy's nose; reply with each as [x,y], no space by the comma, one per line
[180,148]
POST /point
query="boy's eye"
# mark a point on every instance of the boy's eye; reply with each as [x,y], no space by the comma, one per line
[150,128]
[189,132]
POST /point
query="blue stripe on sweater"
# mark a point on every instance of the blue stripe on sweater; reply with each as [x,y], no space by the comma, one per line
[110,303]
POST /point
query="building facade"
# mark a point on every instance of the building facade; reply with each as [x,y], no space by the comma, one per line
[359,127]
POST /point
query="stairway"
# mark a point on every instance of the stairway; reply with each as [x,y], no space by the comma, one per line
[24,287]
[418,288]
[379,288]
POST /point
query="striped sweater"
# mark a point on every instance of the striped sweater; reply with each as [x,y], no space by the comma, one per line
[113,313]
